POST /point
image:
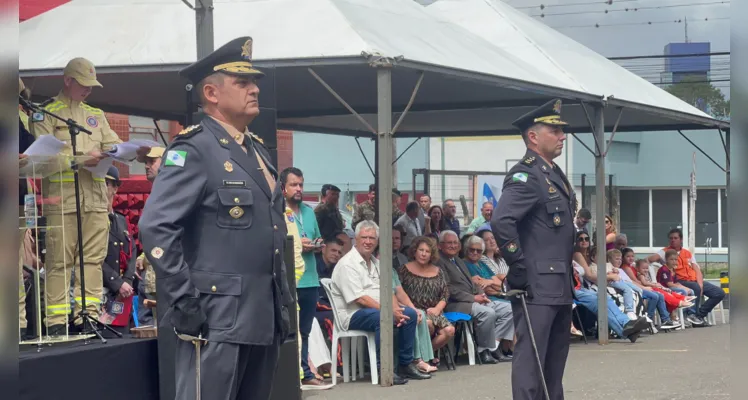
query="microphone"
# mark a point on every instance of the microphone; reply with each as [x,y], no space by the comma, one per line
[26,103]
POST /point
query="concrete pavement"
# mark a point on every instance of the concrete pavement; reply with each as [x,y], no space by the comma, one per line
[684,365]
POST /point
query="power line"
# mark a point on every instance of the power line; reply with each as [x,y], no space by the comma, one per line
[677,21]
[632,9]
[599,2]
[719,53]
[685,83]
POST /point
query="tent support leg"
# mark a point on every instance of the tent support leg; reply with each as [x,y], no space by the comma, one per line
[589,120]
[368,164]
[602,299]
[384,142]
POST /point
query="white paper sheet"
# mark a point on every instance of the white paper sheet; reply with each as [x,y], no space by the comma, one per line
[101,168]
[128,151]
[45,145]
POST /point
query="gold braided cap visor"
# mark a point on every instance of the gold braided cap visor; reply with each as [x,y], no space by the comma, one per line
[550,120]
[239,68]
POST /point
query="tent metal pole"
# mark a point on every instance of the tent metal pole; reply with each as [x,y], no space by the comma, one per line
[410,104]
[602,293]
[384,195]
[204,27]
[343,102]
[731,203]
[702,151]
[613,133]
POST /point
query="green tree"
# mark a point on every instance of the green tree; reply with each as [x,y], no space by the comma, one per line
[694,90]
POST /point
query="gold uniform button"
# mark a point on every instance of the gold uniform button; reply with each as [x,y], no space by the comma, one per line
[121,244]
[236,200]
[551,268]
[275,227]
[277,251]
[213,289]
[115,243]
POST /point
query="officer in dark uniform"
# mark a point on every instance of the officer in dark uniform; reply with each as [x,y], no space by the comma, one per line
[214,230]
[119,265]
[534,225]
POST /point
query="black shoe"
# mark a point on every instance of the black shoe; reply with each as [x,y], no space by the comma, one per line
[670,324]
[487,358]
[500,356]
[56,330]
[412,372]
[399,380]
[635,326]
[632,337]
[695,320]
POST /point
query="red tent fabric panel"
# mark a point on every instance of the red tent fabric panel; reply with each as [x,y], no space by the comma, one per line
[31,8]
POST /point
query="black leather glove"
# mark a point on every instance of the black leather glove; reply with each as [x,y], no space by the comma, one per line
[517,278]
[188,318]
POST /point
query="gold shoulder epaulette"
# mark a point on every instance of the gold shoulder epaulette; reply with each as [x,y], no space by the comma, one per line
[189,131]
[529,161]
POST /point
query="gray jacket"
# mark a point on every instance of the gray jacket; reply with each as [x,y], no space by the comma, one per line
[212,229]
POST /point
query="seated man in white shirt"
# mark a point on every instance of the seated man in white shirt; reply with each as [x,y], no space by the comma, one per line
[355,293]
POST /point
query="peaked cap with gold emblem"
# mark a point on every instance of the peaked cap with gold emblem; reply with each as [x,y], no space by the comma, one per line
[549,114]
[233,58]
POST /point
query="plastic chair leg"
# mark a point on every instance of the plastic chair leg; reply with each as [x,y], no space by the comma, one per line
[360,347]
[373,359]
[346,359]
[334,356]
[354,356]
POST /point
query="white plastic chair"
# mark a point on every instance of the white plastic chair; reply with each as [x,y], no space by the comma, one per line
[349,340]
[711,319]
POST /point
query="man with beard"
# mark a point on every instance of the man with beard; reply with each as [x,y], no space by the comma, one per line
[307,289]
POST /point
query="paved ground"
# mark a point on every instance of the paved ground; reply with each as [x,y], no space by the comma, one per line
[683,365]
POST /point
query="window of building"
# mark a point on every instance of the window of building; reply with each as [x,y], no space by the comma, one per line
[707,218]
[634,218]
[725,236]
[667,213]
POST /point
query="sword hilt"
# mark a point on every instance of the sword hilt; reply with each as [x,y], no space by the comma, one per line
[516,292]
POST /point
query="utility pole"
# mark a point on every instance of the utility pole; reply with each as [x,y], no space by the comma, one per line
[686,27]
[204,27]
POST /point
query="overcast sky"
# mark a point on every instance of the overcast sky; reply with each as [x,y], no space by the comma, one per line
[639,38]
[612,41]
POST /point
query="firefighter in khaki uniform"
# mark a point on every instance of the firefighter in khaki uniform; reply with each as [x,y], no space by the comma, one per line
[79,78]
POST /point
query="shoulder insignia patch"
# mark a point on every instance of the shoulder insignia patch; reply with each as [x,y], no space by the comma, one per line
[189,131]
[256,138]
[530,161]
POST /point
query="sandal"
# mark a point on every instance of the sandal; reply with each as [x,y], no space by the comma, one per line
[576,332]
[425,367]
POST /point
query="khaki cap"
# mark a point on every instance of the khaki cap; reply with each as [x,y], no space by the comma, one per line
[156,152]
[82,71]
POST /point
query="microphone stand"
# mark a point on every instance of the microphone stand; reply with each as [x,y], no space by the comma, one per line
[90,325]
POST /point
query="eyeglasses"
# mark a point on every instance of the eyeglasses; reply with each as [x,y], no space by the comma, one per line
[583,239]
[475,251]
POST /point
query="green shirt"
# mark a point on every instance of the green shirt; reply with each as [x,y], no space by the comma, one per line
[307,224]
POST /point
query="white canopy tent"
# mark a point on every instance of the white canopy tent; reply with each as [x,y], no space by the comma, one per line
[372,54]
[473,84]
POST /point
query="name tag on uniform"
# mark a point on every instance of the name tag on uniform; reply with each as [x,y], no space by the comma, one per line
[554,196]
[235,183]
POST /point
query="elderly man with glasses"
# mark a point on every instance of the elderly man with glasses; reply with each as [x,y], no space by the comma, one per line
[493,319]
